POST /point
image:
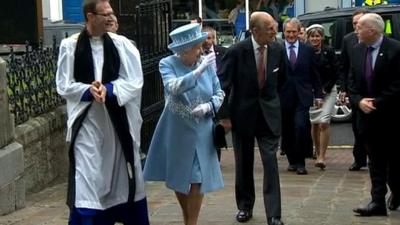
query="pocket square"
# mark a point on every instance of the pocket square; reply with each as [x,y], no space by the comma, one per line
[276,69]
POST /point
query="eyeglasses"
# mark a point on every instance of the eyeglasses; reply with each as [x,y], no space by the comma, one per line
[103,14]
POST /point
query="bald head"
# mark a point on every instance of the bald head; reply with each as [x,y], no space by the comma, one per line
[257,18]
[262,26]
[374,20]
[370,28]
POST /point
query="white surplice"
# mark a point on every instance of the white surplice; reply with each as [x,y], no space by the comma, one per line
[101,170]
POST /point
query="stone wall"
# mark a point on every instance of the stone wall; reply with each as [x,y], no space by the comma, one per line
[45,149]
[32,155]
[12,186]
[6,122]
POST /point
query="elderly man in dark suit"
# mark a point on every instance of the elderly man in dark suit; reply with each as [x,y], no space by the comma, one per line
[297,96]
[374,87]
[253,70]
[349,41]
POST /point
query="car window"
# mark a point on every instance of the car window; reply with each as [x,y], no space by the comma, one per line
[349,26]
[330,32]
[338,23]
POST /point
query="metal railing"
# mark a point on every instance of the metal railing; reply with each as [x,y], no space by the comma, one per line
[31,82]
[31,74]
[153,24]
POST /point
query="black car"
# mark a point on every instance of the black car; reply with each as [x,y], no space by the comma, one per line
[338,23]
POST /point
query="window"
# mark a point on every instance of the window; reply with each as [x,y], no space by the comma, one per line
[213,12]
[215,9]
[185,9]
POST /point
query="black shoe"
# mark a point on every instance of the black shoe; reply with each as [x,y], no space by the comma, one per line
[301,171]
[393,202]
[244,215]
[372,209]
[356,167]
[292,168]
[274,221]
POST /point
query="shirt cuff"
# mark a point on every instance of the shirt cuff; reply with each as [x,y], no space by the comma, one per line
[110,89]
[87,96]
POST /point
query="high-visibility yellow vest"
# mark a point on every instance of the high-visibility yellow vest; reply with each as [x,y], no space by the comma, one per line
[388,28]
[374,2]
[388,24]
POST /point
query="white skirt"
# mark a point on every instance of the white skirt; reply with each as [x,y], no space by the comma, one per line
[324,114]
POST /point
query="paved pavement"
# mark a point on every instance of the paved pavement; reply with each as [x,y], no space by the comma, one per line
[319,198]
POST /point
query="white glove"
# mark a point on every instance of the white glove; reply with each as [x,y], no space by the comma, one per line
[207,61]
[201,109]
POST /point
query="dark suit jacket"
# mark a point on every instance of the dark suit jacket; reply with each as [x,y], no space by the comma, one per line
[327,65]
[239,74]
[385,85]
[219,53]
[349,41]
[223,112]
[303,81]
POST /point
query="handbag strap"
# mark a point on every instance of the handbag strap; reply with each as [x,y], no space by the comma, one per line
[215,117]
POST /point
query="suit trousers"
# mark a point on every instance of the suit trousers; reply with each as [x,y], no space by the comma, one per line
[359,151]
[244,160]
[296,134]
[383,154]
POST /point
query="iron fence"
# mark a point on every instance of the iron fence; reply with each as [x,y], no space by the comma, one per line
[152,23]
[31,82]
[31,74]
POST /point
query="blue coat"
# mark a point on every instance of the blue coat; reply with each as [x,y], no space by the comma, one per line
[179,135]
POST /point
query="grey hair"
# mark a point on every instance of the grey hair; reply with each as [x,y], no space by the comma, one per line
[184,51]
[375,21]
[212,31]
[293,20]
[114,18]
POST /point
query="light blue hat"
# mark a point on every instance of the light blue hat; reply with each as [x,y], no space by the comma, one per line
[186,36]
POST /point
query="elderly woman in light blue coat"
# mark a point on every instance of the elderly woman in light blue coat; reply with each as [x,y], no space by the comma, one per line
[182,152]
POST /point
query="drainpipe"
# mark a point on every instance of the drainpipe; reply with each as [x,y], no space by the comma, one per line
[201,9]
[247,14]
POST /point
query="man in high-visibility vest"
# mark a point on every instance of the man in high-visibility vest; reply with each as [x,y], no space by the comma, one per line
[374,2]
[388,25]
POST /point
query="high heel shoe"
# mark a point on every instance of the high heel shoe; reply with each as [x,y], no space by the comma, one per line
[321,165]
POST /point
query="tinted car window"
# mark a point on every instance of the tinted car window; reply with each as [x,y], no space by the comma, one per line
[338,22]
[330,32]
